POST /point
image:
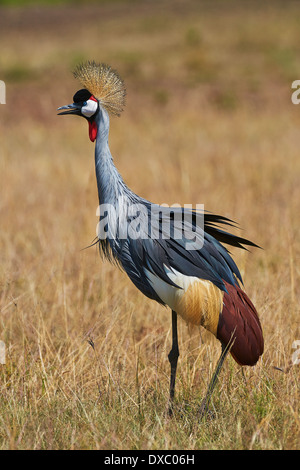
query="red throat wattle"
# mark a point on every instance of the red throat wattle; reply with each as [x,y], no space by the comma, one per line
[92,130]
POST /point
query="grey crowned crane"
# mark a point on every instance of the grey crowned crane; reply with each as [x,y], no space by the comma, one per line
[199,282]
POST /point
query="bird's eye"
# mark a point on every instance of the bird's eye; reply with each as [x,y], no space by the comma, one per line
[89,108]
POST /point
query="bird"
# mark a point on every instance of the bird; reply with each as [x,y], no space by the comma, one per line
[173,255]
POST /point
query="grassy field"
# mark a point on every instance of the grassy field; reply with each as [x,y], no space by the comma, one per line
[209,119]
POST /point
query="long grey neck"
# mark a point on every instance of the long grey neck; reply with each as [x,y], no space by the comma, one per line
[110,183]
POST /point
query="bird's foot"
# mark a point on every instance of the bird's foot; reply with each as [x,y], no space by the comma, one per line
[205,412]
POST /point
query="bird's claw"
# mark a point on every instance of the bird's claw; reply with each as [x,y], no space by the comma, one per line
[205,412]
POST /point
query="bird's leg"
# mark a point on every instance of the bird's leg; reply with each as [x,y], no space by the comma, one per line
[205,402]
[173,359]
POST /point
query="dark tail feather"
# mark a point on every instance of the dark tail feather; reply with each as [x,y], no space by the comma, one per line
[211,226]
[240,327]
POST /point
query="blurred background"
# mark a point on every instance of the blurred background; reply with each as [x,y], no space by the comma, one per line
[209,120]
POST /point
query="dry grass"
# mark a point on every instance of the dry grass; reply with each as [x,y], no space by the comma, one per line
[209,120]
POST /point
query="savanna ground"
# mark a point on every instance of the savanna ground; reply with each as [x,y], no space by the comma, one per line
[209,119]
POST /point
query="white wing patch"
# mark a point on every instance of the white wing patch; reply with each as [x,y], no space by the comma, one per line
[180,279]
[167,293]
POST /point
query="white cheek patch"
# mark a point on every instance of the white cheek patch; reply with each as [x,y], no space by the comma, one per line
[90,108]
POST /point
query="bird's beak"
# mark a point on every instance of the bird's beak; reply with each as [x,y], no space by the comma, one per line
[71,109]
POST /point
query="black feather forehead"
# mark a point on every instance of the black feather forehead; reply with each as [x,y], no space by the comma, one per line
[104,83]
[82,95]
